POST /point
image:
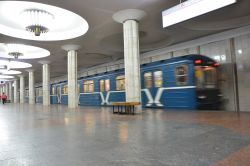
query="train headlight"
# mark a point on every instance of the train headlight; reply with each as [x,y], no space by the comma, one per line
[202,97]
[220,95]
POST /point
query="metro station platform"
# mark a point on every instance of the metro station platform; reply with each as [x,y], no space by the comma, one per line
[56,136]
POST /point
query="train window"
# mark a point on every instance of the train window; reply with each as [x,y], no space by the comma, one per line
[205,77]
[107,85]
[104,85]
[26,93]
[158,78]
[58,90]
[65,89]
[88,86]
[148,83]
[53,91]
[120,82]
[39,92]
[181,73]
[210,77]
[101,85]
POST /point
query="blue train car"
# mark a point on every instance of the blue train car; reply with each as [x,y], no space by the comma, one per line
[187,82]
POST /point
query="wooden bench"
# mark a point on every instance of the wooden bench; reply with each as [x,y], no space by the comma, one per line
[129,107]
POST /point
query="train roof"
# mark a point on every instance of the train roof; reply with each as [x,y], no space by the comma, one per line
[204,60]
[193,57]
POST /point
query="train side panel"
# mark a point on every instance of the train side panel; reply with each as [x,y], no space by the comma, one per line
[170,95]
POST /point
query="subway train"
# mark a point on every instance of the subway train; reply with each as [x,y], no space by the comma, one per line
[186,82]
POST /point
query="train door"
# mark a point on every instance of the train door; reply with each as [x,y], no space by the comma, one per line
[152,81]
[104,87]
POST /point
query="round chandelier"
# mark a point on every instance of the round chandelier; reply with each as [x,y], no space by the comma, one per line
[36,21]
[14,50]
[15,54]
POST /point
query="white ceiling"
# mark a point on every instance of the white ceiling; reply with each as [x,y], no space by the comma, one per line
[103,42]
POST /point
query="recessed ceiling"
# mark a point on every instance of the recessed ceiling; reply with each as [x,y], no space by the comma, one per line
[6,77]
[14,64]
[9,72]
[25,52]
[18,17]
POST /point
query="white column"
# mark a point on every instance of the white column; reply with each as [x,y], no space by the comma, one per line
[130,18]
[31,86]
[1,89]
[22,99]
[46,82]
[10,92]
[16,99]
[132,61]
[72,75]
[7,89]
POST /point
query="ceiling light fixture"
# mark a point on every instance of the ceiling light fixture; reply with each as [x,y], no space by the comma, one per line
[15,54]
[36,21]
[21,51]
[14,50]
[190,9]
[19,18]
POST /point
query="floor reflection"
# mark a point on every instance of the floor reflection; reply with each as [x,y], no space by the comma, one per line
[123,132]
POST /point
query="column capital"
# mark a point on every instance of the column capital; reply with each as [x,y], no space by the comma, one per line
[44,62]
[71,47]
[128,14]
[21,75]
[30,70]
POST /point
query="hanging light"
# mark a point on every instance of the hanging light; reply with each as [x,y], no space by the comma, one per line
[14,50]
[37,21]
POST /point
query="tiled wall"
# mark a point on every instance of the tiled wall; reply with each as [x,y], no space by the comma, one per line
[242,51]
[220,51]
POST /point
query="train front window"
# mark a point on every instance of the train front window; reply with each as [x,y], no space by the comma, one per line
[181,73]
[148,80]
[205,77]
[158,78]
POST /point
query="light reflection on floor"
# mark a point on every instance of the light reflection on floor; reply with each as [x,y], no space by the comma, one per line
[37,135]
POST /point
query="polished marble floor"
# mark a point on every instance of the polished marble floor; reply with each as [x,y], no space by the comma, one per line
[93,136]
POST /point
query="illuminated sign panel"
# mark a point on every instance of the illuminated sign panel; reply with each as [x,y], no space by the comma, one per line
[191,9]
